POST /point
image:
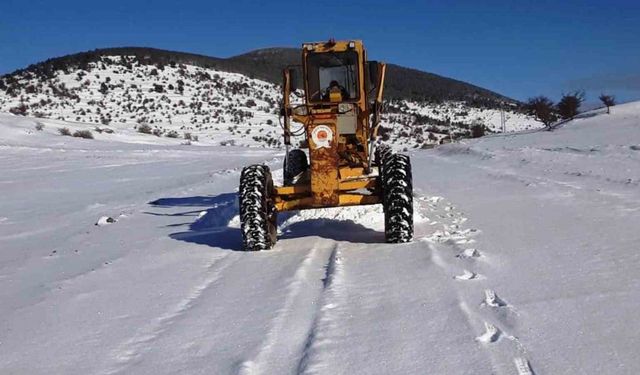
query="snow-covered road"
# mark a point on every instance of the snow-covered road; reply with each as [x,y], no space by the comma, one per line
[525,261]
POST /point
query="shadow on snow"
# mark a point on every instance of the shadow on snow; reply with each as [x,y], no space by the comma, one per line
[212,226]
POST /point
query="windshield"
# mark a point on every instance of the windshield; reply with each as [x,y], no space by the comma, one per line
[332,72]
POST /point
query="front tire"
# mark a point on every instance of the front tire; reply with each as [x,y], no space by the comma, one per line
[397,191]
[258,216]
[296,164]
[381,153]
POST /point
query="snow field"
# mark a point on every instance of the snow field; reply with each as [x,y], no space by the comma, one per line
[524,260]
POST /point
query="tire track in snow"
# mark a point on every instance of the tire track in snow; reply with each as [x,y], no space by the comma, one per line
[132,349]
[327,281]
[381,304]
[287,337]
[354,301]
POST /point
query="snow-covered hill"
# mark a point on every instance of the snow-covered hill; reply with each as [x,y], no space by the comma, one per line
[525,260]
[125,93]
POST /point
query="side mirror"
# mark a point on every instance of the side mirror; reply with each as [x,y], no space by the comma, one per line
[293,78]
[373,72]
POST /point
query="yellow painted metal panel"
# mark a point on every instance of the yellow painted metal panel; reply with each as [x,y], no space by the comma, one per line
[357,184]
[295,189]
[310,203]
[347,172]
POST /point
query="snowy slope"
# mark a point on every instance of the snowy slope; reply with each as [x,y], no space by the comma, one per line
[525,260]
[123,93]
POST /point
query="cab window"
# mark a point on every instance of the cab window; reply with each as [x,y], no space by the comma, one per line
[332,71]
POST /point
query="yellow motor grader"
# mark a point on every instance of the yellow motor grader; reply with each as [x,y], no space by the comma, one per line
[339,118]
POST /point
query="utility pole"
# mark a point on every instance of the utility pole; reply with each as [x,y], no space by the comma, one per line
[503,121]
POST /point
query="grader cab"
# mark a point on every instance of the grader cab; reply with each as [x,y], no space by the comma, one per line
[339,120]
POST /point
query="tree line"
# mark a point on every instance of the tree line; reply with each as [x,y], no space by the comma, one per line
[548,112]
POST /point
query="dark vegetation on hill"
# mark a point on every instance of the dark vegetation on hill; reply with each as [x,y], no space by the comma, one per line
[165,93]
[267,64]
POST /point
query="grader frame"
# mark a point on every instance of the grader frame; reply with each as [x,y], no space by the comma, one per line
[334,180]
[340,118]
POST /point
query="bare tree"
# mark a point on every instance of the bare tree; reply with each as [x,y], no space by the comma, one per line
[542,109]
[608,100]
[569,105]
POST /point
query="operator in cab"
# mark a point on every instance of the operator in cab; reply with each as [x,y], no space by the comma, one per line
[335,92]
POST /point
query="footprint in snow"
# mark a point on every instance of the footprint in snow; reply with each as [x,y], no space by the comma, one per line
[465,241]
[522,366]
[470,232]
[468,275]
[434,199]
[469,253]
[491,299]
[105,220]
[491,334]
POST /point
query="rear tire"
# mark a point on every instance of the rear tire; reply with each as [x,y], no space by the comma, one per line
[258,216]
[381,153]
[296,164]
[397,198]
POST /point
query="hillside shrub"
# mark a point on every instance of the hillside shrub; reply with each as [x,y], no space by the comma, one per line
[86,134]
[20,110]
[477,130]
[64,131]
[144,128]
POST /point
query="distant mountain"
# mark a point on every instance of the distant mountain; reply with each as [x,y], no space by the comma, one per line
[401,82]
[267,64]
[234,100]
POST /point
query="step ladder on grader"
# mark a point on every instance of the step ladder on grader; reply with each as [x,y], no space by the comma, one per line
[340,119]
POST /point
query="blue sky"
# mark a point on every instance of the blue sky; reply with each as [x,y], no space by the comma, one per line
[520,49]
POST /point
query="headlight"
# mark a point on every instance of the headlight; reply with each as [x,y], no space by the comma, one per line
[352,44]
[344,107]
[301,110]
